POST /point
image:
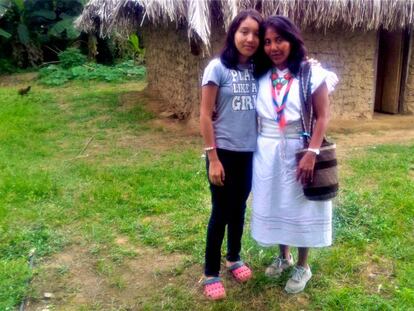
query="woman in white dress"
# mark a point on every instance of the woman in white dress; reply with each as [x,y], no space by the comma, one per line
[281,213]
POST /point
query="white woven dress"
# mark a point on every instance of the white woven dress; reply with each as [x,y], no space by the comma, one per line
[280,212]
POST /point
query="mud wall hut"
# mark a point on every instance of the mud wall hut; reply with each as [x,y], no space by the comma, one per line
[367,43]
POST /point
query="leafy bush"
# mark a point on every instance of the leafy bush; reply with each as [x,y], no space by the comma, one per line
[54,75]
[71,57]
[138,52]
[28,27]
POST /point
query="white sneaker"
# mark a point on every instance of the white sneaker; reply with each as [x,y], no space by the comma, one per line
[297,282]
[278,266]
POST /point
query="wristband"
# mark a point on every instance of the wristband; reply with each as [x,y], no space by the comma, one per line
[209,148]
[314,150]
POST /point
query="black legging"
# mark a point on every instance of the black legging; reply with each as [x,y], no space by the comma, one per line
[228,208]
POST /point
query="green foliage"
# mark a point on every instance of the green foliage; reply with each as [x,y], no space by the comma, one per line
[23,33]
[47,14]
[55,75]
[4,6]
[134,41]
[6,66]
[137,52]
[29,24]
[19,4]
[71,57]
[5,34]
[64,28]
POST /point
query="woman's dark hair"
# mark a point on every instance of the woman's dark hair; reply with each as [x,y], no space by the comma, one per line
[288,31]
[230,55]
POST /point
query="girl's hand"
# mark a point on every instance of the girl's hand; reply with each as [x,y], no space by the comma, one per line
[216,173]
[304,172]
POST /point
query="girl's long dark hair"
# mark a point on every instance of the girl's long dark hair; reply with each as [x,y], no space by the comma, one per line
[287,30]
[230,55]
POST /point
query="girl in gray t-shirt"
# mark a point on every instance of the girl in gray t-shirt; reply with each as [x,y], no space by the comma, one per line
[228,125]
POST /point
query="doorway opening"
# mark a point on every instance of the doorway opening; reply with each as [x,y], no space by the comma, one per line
[392,70]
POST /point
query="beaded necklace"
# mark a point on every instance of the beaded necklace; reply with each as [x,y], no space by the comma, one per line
[277,84]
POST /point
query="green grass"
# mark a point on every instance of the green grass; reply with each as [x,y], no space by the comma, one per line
[136,181]
[14,275]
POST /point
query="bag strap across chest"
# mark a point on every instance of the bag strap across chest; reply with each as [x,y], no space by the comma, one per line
[305,94]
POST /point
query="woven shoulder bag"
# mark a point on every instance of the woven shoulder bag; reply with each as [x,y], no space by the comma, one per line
[325,174]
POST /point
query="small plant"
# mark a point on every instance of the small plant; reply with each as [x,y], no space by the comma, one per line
[71,57]
[63,269]
[138,52]
[54,75]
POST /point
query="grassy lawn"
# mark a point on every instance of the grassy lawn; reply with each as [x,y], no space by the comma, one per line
[85,171]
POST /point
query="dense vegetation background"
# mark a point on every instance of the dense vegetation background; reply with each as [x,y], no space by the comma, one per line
[34,32]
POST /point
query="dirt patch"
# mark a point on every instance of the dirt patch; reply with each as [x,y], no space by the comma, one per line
[294,302]
[380,121]
[17,79]
[129,100]
[76,278]
[378,275]
[348,134]
[353,136]
[157,142]
[166,119]
[351,145]
[381,129]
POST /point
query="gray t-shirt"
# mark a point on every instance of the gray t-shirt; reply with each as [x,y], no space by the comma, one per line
[234,118]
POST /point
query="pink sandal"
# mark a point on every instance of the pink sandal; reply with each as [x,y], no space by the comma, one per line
[240,272]
[214,289]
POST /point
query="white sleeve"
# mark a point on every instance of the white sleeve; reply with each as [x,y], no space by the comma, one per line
[320,75]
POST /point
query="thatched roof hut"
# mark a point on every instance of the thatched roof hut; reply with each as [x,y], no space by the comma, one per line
[366,42]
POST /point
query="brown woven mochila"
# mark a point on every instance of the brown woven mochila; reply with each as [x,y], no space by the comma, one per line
[324,185]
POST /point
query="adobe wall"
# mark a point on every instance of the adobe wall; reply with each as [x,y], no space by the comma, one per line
[174,74]
[408,106]
[351,55]
[172,70]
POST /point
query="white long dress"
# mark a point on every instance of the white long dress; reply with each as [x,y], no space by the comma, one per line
[281,213]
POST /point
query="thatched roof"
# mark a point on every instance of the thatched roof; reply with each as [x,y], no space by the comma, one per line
[124,16]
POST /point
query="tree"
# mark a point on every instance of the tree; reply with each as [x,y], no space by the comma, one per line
[4,6]
[27,27]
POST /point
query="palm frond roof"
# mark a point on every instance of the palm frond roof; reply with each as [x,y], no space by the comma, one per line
[124,16]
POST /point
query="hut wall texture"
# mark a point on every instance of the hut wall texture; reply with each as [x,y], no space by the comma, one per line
[408,106]
[351,55]
[172,69]
[174,74]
